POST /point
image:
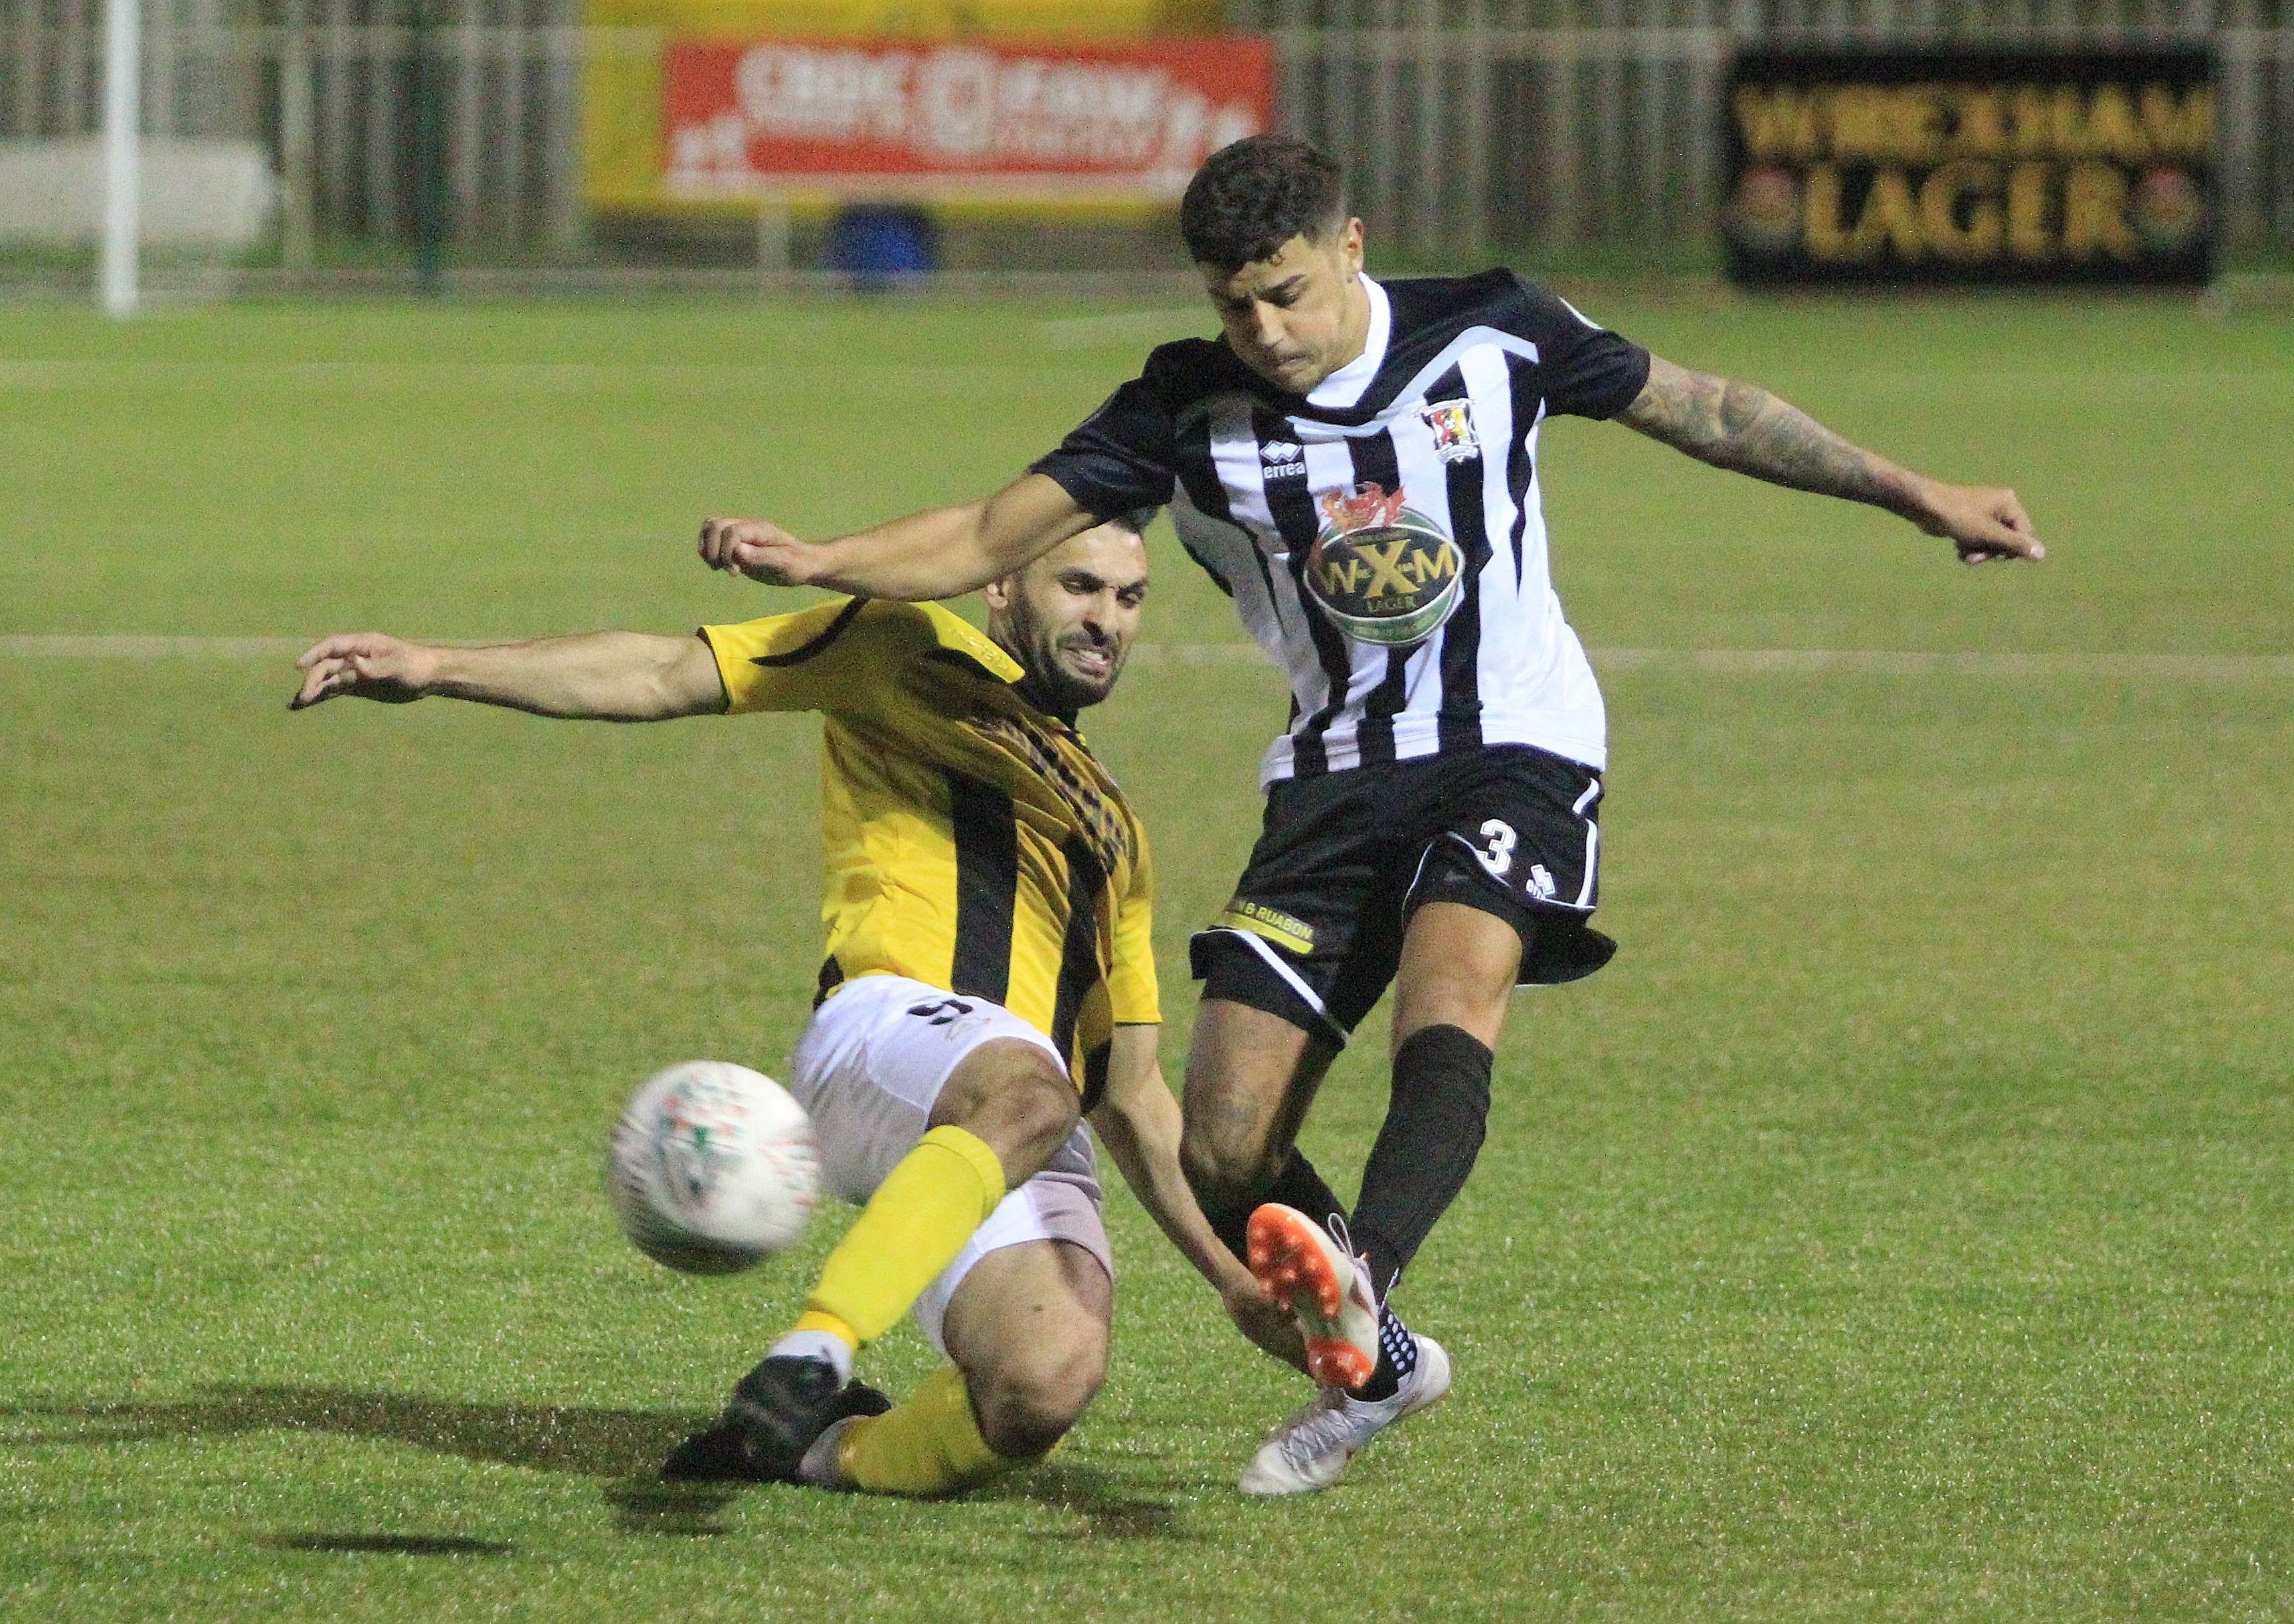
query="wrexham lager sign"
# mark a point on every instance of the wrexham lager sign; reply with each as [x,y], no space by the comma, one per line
[1944,167]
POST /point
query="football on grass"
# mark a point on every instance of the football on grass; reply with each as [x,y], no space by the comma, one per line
[712,1167]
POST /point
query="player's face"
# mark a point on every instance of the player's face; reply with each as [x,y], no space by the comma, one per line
[1299,314]
[1071,617]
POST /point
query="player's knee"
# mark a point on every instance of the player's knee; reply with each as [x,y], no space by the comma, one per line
[1043,1107]
[1016,1097]
[1029,1402]
[1222,1171]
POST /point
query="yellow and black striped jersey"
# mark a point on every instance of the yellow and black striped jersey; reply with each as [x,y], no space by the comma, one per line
[972,841]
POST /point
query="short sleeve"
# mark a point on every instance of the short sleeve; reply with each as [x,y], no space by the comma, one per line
[1120,457]
[1131,981]
[789,662]
[1586,370]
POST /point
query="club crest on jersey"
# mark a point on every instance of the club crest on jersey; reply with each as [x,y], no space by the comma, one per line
[1453,423]
[1282,459]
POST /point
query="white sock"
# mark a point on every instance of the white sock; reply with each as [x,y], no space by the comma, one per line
[816,1345]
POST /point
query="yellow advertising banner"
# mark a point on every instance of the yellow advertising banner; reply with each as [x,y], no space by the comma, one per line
[624,104]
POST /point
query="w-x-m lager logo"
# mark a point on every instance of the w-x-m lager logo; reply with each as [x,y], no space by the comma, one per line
[1452,424]
[1381,572]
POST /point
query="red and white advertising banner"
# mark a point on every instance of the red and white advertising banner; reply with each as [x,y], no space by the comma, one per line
[1113,120]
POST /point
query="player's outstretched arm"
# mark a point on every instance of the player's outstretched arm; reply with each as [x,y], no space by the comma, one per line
[1138,1122]
[1746,428]
[944,552]
[605,676]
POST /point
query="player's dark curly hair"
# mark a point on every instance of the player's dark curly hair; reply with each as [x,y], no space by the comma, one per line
[1251,197]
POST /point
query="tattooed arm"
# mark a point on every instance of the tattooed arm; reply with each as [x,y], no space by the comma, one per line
[1739,426]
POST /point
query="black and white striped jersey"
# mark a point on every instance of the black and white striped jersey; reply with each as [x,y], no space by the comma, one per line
[1443,404]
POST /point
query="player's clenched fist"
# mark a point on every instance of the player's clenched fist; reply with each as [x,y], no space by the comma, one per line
[1265,1321]
[1984,523]
[758,549]
[366,665]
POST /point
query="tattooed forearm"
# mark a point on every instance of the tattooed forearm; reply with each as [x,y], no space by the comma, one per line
[1736,426]
[1739,426]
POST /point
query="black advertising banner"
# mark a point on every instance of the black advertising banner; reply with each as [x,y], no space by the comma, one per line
[1946,167]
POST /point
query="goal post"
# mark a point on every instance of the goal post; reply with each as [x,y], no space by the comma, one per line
[123,99]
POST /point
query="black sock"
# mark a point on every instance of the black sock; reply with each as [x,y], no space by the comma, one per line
[1298,1185]
[1433,1130]
[1397,1356]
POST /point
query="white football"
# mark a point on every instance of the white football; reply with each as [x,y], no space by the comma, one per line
[712,1167]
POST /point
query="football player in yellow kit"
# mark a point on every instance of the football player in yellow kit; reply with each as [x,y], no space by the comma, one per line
[989,983]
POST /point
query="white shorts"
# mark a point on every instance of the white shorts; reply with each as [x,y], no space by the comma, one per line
[868,1070]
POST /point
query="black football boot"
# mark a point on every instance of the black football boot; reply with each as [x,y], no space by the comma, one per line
[777,1410]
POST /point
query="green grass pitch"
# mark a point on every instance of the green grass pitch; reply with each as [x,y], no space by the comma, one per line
[1900,1229]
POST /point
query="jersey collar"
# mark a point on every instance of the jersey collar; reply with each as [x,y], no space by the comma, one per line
[960,639]
[958,636]
[1343,389]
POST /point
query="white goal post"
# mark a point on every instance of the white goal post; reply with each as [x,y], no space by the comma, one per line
[122,101]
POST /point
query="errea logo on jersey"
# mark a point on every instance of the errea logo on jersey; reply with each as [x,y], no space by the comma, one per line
[1453,423]
[1282,459]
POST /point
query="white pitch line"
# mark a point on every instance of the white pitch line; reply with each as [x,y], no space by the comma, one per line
[141,646]
[1890,663]
[1822,662]
[522,377]
[1122,329]
[136,647]
[1201,654]
[1760,662]
[1126,329]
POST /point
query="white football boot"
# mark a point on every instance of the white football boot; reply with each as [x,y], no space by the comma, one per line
[1326,1287]
[1309,1450]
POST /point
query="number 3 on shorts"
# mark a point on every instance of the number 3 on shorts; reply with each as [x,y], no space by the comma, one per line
[1497,857]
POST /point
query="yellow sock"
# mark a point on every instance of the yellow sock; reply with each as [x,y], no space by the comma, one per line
[813,1320]
[930,1445]
[912,1228]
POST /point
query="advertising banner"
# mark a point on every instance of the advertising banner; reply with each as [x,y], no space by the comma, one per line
[1915,166]
[977,119]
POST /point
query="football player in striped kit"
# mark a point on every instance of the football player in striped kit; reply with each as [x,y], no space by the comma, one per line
[1431,809]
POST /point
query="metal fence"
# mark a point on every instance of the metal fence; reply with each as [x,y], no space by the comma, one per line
[336,91]
[1566,123]
[1466,124]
